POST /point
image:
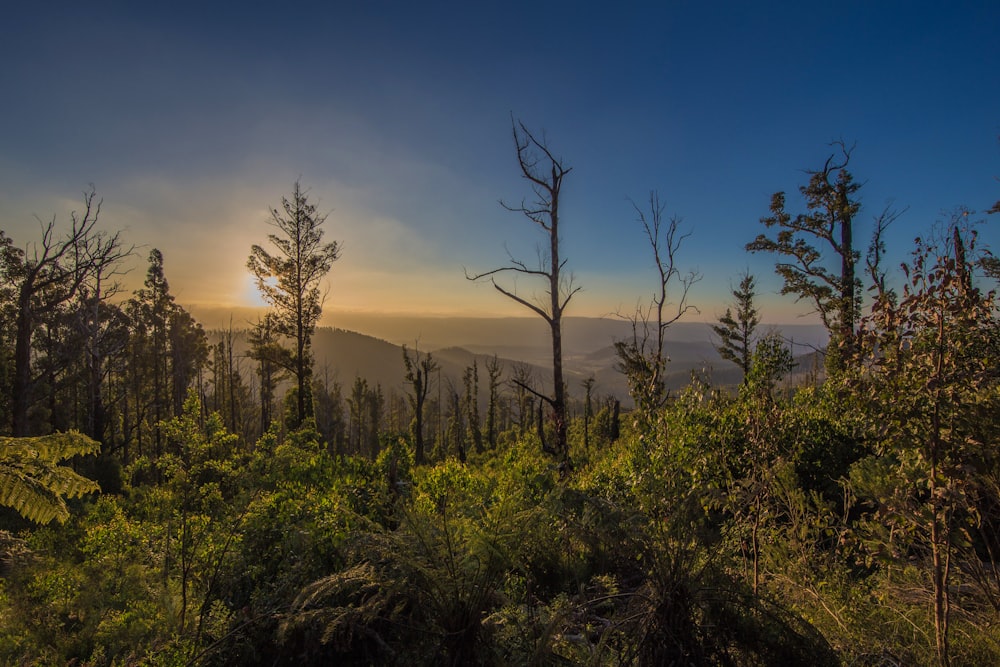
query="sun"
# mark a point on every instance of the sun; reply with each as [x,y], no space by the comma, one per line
[250,295]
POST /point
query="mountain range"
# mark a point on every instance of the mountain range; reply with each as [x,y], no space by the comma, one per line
[370,346]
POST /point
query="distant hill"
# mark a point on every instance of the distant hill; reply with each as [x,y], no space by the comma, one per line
[588,349]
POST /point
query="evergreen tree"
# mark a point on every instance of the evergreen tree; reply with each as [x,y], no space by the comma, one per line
[736,332]
[289,281]
[167,351]
[150,310]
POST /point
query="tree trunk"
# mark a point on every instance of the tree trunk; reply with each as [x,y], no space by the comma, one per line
[22,367]
[847,282]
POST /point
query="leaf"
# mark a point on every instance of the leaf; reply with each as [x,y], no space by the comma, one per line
[34,484]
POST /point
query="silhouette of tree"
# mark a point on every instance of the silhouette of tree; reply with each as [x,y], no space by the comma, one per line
[829,219]
[545,172]
[642,358]
[47,277]
[418,376]
[736,332]
[289,281]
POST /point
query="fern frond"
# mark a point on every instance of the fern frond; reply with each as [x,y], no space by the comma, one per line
[51,448]
[29,498]
[31,481]
[66,482]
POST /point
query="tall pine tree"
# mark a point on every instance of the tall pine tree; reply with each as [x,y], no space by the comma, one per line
[289,281]
[736,331]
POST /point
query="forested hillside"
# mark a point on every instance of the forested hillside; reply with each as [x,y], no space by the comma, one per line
[294,495]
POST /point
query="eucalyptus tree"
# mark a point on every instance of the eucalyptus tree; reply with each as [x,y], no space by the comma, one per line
[418,375]
[168,349]
[494,369]
[46,276]
[642,358]
[103,326]
[808,273]
[289,281]
[929,363]
[545,173]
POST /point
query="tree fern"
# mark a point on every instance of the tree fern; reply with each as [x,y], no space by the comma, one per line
[31,480]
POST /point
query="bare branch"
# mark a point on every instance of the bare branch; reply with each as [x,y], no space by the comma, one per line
[642,358]
[876,251]
[524,302]
[531,390]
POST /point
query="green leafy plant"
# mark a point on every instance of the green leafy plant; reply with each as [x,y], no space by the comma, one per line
[32,481]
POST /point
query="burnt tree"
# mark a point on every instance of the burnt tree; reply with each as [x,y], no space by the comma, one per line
[545,173]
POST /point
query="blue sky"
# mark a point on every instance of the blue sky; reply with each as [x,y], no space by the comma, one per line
[191,120]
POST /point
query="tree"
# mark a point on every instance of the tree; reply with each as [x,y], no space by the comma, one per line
[10,269]
[330,420]
[930,369]
[736,333]
[770,362]
[265,350]
[48,277]
[167,349]
[470,379]
[357,404]
[545,172]
[455,431]
[494,369]
[150,309]
[418,376]
[829,219]
[588,409]
[97,322]
[289,281]
[524,395]
[188,347]
[642,358]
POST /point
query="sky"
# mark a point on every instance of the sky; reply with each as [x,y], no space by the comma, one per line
[192,119]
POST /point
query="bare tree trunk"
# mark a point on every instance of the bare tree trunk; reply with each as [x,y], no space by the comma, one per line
[545,173]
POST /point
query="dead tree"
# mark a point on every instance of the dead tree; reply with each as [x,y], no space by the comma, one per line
[418,375]
[642,357]
[545,173]
[52,273]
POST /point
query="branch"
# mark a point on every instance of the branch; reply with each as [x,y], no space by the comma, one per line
[876,250]
[530,390]
[527,304]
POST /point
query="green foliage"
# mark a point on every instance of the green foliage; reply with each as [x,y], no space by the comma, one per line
[930,373]
[34,484]
[854,522]
[828,281]
[736,332]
